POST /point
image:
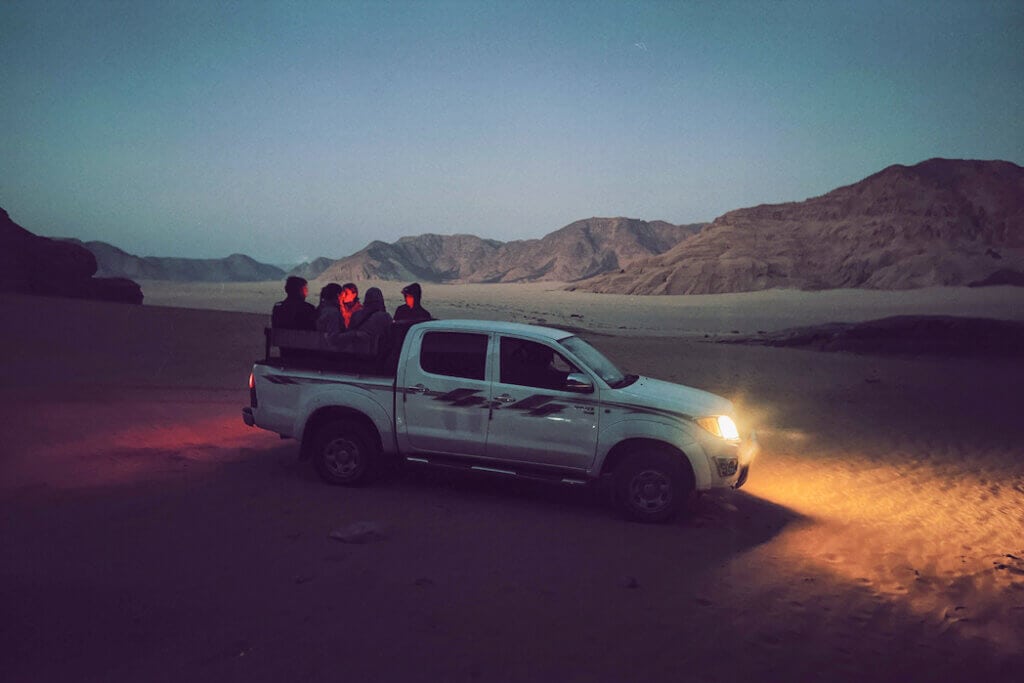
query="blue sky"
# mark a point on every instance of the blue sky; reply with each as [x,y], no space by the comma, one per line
[287,130]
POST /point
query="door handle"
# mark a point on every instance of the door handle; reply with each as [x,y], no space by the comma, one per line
[418,389]
[505,398]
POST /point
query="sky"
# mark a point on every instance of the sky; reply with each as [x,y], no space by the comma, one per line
[292,130]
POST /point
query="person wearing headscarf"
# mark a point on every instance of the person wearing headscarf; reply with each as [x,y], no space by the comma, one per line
[369,326]
[329,318]
[349,302]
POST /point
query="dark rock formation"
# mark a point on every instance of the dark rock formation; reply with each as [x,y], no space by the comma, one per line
[1001,277]
[30,264]
[903,335]
[114,289]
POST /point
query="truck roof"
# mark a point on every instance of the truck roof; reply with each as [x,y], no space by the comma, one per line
[498,326]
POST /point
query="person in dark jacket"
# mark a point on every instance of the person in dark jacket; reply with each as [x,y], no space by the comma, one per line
[294,313]
[369,327]
[349,302]
[329,318]
[412,310]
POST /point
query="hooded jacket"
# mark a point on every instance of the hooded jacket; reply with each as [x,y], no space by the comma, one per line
[368,327]
[416,312]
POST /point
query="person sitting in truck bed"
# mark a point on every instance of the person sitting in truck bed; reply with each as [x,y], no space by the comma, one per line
[329,319]
[369,327]
[294,313]
[349,302]
[412,310]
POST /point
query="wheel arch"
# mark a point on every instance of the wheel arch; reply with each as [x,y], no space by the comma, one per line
[328,414]
[622,449]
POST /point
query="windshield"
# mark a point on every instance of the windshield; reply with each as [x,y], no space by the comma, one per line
[595,360]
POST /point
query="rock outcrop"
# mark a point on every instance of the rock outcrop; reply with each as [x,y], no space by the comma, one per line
[312,269]
[30,264]
[941,222]
[579,250]
[114,262]
[905,335]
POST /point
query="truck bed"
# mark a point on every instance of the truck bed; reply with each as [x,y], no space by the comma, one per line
[307,350]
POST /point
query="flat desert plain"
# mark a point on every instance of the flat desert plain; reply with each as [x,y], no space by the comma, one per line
[147,534]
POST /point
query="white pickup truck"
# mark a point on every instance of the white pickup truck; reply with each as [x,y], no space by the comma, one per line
[504,398]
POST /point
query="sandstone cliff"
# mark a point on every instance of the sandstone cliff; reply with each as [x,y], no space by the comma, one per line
[940,222]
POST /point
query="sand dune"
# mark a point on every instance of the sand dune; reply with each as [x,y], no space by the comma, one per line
[149,535]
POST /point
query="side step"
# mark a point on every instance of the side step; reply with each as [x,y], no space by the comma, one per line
[535,474]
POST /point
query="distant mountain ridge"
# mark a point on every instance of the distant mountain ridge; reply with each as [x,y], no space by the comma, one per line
[312,269]
[941,222]
[114,262]
[579,250]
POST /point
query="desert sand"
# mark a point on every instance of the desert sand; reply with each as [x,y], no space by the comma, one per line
[147,534]
[667,316]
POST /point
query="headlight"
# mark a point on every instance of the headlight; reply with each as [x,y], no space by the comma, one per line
[721,426]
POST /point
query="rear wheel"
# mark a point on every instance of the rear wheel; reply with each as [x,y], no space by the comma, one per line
[652,486]
[345,454]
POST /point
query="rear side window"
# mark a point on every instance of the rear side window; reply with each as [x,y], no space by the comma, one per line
[456,354]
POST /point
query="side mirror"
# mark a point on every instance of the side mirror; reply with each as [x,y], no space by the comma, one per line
[578,383]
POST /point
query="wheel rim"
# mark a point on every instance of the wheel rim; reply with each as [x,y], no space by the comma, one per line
[650,491]
[343,457]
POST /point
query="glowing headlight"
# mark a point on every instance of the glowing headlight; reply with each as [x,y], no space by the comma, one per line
[721,426]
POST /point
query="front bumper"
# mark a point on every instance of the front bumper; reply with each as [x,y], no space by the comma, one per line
[748,450]
[730,461]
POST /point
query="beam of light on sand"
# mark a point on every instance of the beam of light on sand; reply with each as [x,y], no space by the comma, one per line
[941,534]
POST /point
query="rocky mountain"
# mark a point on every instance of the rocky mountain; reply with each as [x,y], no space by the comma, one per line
[114,262]
[312,269]
[940,222]
[430,258]
[30,264]
[579,250]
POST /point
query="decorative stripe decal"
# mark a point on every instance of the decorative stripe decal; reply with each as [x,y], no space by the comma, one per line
[285,379]
[536,405]
[461,398]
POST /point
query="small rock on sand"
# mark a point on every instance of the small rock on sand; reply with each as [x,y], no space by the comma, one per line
[358,532]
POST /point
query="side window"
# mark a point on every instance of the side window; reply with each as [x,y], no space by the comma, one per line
[530,364]
[456,354]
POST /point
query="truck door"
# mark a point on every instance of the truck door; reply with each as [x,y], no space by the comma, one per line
[445,395]
[534,419]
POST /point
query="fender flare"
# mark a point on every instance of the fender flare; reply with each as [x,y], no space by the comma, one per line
[345,403]
[619,438]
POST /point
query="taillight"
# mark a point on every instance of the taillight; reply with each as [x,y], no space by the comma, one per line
[252,380]
[252,390]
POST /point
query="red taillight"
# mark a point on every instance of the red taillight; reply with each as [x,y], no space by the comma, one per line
[252,380]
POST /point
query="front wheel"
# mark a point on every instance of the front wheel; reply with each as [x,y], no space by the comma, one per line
[344,454]
[652,486]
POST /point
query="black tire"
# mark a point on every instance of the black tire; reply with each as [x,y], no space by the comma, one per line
[344,453]
[652,486]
